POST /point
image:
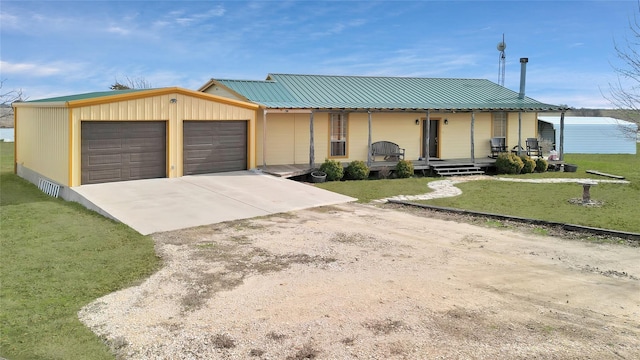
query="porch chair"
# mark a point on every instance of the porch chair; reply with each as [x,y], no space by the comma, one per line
[533,147]
[498,145]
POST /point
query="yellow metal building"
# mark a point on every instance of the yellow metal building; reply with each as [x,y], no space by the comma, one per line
[132,134]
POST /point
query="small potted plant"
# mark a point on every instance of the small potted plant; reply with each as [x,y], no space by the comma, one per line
[318,176]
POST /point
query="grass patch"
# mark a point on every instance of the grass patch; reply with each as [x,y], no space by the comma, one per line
[538,201]
[56,257]
[550,202]
[368,190]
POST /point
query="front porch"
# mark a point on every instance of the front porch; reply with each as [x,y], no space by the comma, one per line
[454,166]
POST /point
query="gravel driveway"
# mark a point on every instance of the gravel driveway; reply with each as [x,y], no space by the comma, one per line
[368,282]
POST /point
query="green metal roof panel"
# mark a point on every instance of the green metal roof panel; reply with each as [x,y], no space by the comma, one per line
[370,92]
[85,96]
[266,91]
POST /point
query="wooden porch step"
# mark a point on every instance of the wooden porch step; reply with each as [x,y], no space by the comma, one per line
[458,170]
[443,165]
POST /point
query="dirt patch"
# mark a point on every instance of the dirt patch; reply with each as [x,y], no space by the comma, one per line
[359,281]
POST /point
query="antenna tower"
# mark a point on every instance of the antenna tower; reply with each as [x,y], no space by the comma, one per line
[501,61]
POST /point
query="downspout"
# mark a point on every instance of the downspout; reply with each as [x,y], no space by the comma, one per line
[473,123]
[562,136]
[312,151]
[369,142]
[71,141]
[15,139]
[264,138]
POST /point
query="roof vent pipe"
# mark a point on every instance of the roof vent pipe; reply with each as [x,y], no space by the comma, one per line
[523,76]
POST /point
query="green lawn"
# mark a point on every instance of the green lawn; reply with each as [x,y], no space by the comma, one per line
[621,209]
[56,257]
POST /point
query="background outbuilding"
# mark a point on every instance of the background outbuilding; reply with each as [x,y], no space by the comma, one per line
[589,135]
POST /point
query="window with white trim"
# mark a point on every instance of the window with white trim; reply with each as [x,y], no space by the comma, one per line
[500,124]
[338,135]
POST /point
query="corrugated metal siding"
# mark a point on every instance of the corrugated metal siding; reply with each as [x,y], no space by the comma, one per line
[593,135]
[482,134]
[595,139]
[357,137]
[529,128]
[321,133]
[399,128]
[42,142]
[302,136]
[220,91]
[161,107]
[455,138]
[280,139]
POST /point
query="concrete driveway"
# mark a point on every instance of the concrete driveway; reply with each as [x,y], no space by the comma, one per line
[157,205]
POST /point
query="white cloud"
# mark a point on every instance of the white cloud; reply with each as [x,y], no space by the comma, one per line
[33,69]
[118,30]
[339,28]
[8,20]
[183,18]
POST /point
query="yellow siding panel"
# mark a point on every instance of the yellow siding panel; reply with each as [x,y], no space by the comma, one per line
[529,128]
[482,135]
[302,138]
[215,90]
[42,144]
[280,139]
[399,128]
[321,134]
[455,138]
[259,138]
[162,108]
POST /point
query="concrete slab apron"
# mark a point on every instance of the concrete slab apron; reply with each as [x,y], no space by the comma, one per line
[156,205]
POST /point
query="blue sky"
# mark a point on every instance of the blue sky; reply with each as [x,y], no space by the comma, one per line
[52,48]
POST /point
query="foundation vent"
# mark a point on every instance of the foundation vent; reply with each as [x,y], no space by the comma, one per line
[48,187]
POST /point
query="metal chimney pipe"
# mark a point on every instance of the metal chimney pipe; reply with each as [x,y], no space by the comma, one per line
[523,76]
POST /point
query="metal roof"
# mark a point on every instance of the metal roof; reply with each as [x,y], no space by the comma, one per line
[85,96]
[289,91]
[102,97]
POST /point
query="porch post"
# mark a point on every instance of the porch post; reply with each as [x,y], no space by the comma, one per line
[427,137]
[369,141]
[473,124]
[562,136]
[519,133]
[312,151]
[264,138]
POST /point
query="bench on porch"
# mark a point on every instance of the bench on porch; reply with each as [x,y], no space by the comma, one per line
[390,151]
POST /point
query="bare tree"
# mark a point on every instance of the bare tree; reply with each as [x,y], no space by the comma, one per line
[624,94]
[6,99]
[130,83]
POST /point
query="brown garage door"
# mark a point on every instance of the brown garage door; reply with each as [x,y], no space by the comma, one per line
[123,150]
[214,146]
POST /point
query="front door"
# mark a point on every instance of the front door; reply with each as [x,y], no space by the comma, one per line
[433,138]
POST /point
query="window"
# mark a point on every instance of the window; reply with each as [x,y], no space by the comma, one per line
[500,124]
[338,135]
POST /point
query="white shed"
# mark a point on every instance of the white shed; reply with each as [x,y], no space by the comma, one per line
[589,135]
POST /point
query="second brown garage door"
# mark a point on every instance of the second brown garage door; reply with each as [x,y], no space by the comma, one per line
[123,150]
[214,146]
